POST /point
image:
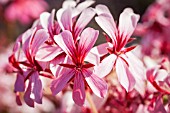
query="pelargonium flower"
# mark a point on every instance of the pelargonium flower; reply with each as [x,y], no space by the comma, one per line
[129,68]
[159,78]
[27,68]
[50,51]
[76,69]
[154,29]
[25,10]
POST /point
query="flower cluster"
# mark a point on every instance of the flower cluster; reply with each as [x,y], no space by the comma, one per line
[111,77]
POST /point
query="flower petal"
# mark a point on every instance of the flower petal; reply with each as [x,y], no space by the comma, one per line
[54,64]
[37,88]
[125,77]
[66,42]
[87,40]
[92,58]
[85,4]
[107,24]
[100,49]
[58,84]
[69,3]
[98,86]
[138,71]
[79,89]
[66,19]
[44,20]
[105,67]
[40,37]
[29,101]
[82,22]
[127,23]
[101,9]
[48,52]
[19,83]
[96,52]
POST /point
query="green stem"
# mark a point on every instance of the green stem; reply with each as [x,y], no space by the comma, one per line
[92,105]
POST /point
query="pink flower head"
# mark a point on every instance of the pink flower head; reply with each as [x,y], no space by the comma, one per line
[25,10]
[27,68]
[128,67]
[160,80]
[154,29]
[77,70]
[66,20]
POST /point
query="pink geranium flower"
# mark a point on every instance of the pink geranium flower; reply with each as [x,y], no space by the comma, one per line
[159,78]
[154,29]
[66,16]
[76,69]
[25,11]
[27,68]
[128,67]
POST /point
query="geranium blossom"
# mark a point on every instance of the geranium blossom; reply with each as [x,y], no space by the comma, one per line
[77,69]
[25,11]
[27,67]
[129,68]
[154,29]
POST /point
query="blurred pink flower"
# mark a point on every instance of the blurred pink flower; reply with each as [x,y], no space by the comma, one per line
[25,11]
[77,69]
[154,29]
[26,67]
[128,67]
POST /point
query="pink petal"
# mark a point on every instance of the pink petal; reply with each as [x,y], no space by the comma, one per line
[159,107]
[107,24]
[48,52]
[69,3]
[40,37]
[98,86]
[136,67]
[44,20]
[79,89]
[65,41]
[58,84]
[102,9]
[54,64]
[26,37]
[127,23]
[18,100]
[37,88]
[105,67]
[87,40]
[59,15]
[125,77]
[66,19]
[51,19]
[92,58]
[100,49]
[85,4]
[19,83]
[96,52]
[82,22]
[29,101]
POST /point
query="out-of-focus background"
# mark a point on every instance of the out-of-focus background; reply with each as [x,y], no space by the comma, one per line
[16,17]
